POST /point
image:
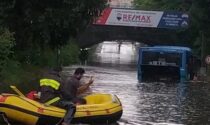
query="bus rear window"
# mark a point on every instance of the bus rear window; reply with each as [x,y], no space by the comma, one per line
[161,58]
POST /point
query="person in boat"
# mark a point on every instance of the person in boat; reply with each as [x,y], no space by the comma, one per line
[63,94]
[72,87]
[50,89]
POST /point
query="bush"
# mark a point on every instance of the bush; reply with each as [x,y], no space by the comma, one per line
[12,74]
[24,77]
[47,58]
[32,63]
[69,54]
[7,42]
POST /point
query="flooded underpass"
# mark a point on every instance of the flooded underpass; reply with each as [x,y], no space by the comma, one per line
[154,103]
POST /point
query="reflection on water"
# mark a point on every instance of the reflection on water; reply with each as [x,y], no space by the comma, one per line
[147,103]
[115,53]
[152,103]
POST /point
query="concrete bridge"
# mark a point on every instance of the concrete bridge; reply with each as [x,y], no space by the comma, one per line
[95,34]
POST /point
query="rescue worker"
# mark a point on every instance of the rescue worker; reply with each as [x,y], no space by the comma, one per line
[50,94]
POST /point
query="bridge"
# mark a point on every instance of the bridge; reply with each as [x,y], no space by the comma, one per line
[96,34]
[143,28]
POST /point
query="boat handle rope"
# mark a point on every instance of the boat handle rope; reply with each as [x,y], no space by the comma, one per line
[17,91]
[52,101]
[22,95]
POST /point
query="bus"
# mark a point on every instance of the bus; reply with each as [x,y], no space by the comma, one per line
[166,63]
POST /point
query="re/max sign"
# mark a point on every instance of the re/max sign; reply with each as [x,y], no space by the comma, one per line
[136,18]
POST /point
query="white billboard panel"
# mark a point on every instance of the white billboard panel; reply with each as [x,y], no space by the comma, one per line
[139,18]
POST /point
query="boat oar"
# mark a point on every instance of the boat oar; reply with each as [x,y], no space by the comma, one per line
[17,91]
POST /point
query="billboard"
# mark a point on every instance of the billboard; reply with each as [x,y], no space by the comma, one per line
[139,18]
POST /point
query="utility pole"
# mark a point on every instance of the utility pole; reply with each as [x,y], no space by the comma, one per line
[202,49]
[119,46]
[58,61]
[203,68]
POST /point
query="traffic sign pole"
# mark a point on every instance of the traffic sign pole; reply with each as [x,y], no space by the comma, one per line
[207,60]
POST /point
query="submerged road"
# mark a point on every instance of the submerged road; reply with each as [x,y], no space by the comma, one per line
[115,71]
[151,103]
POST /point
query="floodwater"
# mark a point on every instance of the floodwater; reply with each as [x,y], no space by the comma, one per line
[115,72]
[155,103]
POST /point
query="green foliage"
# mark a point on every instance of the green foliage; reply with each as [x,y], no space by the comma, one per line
[46,24]
[5,7]
[40,28]
[159,4]
[47,58]
[12,72]
[199,12]
[7,42]
[69,54]
[24,77]
[200,19]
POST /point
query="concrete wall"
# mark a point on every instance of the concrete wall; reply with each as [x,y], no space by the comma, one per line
[95,34]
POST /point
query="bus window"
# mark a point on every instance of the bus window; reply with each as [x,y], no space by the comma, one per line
[170,59]
[163,62]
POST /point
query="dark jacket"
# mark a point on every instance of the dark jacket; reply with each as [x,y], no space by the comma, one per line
[48,92]
[69,88]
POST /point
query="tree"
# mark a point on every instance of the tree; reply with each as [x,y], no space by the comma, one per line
[160,4]
[7,42]
[41,23]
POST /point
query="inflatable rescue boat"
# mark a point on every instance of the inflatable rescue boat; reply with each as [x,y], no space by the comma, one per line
[100,108]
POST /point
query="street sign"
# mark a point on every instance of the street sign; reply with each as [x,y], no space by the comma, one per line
[174,19]
[141,18]
[207,59]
